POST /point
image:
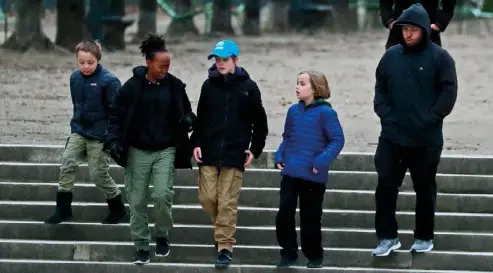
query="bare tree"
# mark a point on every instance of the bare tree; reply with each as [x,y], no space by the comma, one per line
[251,24]
[221,18]
[147,19]
[180,27]
[279,16]
[28,33]
[71,27]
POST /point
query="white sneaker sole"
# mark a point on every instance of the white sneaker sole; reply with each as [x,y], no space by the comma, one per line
[141,262]
[422,250]
[394,247]
[162,255]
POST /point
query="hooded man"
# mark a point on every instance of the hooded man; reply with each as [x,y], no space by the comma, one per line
[416,88]
[439,17]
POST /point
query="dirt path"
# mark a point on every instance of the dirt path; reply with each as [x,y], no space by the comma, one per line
[36,106]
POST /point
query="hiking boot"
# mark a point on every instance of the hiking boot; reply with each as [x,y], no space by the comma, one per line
[142,257]
[162,247]
[421,246]
[386,246]
[118,212]
[63,210]
[224,258]
[287,262]
[316,263]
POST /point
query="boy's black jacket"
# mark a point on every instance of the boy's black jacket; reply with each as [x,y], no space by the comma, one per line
[123,121]
[230,117]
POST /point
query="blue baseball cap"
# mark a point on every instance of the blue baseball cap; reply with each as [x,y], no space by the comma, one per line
[225,49]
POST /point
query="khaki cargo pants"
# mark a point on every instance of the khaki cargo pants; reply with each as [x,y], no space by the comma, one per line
[98,162]
[143,169]
[219,191]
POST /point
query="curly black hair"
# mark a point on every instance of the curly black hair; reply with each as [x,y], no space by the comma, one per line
[151,45]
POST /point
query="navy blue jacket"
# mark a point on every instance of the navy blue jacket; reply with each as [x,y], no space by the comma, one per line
[416,87]
[312,138]
[92,97]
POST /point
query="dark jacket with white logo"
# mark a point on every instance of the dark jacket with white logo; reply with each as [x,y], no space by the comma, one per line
[416,87]
[92,97]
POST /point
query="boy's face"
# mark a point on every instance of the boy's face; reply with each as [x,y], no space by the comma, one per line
[159,66]
[303,87]
[86,62]
[226,65]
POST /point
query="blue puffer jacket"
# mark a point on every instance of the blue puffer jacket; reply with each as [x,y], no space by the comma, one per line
[312,138]
[92,97]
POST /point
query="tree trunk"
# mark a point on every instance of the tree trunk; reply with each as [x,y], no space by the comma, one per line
[221,18]
[278,18]
[251,24]
[147,22]
[347,17]
[182,27]
[71,27]
[487,6]
[114,27]
[28,33]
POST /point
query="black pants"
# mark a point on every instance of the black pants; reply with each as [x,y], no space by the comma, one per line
[391,164]
[395,37]
[311,196]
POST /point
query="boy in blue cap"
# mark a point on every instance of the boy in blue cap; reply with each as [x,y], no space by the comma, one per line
[230,130]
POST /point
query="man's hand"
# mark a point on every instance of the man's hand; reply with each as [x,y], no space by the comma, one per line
[391,25]
[315,171]
[280,166]
[197,155]
[435,27]
[249,158]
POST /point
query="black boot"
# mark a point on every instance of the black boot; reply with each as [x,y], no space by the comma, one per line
[118,212]
[63,211]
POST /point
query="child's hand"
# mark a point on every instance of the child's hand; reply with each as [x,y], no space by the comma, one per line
[249,158]
[197,155]
[315,171]
[280,166]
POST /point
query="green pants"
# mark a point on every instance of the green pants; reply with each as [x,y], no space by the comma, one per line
[144,169]
[97,159]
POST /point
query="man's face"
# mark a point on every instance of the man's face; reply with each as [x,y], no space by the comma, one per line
[412,35]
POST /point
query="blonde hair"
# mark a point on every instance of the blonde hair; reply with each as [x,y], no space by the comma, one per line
[319,84]
[90,46]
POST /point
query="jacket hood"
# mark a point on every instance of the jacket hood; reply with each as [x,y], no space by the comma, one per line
[415,15]
[316,103]
[140,71]
[239,72]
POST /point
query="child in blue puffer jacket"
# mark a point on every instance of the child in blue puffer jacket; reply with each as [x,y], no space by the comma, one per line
[312,139]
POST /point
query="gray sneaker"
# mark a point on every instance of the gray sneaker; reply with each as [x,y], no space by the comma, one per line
[386,246]
[422,246]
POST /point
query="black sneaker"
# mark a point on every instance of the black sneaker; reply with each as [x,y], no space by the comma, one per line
[162,247]
[317,263]
[286,262]
[224,258]
[142,257]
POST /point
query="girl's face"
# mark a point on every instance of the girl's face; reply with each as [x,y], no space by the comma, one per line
[225,65]
[86,62]
[159,66]
[304,90]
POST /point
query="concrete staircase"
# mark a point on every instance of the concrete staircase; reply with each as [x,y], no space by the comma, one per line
[28,181]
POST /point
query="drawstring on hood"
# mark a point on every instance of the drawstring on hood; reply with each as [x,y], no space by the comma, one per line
[415,15]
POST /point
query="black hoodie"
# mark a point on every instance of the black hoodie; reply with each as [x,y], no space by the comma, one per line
[230,117]
[416,87]
[157,121]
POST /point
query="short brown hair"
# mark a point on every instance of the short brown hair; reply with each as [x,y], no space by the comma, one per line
[319,84]
[90,46]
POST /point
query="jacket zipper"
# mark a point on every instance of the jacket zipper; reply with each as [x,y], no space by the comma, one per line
[225,126]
